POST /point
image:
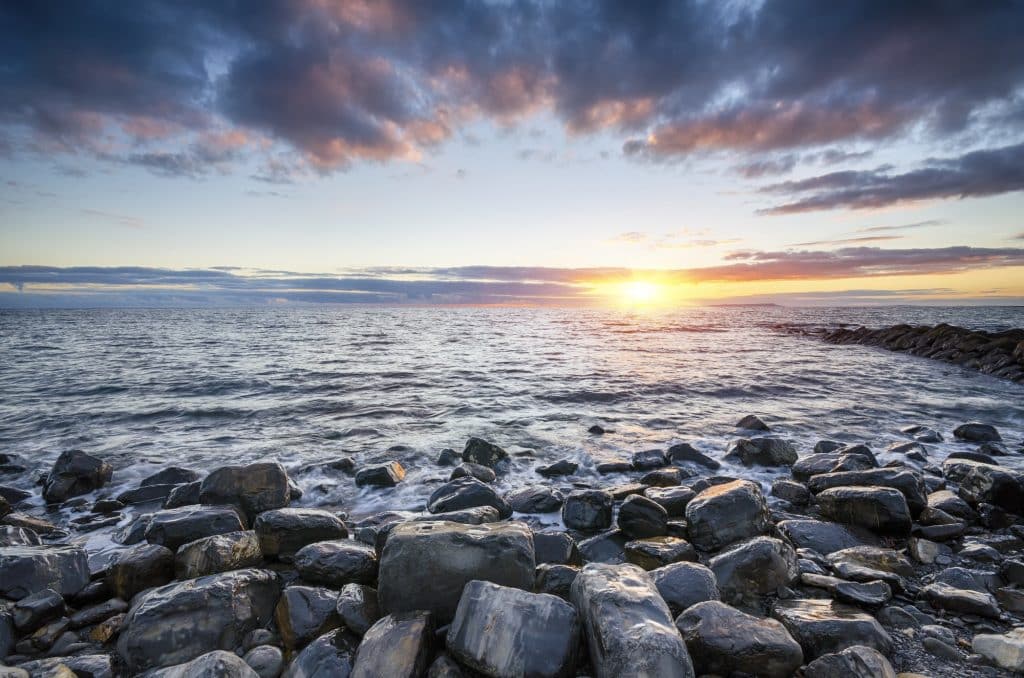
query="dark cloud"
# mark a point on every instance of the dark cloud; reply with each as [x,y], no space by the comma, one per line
[974,174]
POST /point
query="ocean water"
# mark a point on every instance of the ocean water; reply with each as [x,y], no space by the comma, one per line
[145,389]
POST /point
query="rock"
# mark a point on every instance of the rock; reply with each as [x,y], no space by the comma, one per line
[993,449]
[640,518]
[962,601]
[13,495]
[33,611]
[607,547]
[468,469]
[449,555]
[140,567]
[25,570]
[866,594]
[107,629]
[752,422]
[506,633]
[466,492]
[328,656]
[535,499]
[562,467]
[924,551]
[304,613]
[672,499]
[387,474]
[184,495]
[448,457]
[768,451]
[985,483]
[555,547]
[75,473]
[976,432]
[253,489]
[684,453]
[684,584]
[398,646]
[649,459]
[880,509]
[628,626]
[282,532]
[867,563]
[941,649]
[217,664]
[174,527]
[338,562]
[754,568]
[555,580]
[596,430]
[18,536]
[1012,570]
[818,536]
[172,475]
[723,641]
[725,514]
[663,477]
[658,551]
[830,462]
[481,452]
[605,464]
[1005,650]
[588,510]
[219,553]
[265,660]
[178,622]
[858,661]
[824,627]
[791,491]
[146,494]
[358,607]
[98,613]
[907,482]
[947,501]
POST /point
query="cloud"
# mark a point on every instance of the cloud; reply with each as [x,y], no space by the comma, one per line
[975,174]
[849,241]
[903,227]
[684,239]
[119,219]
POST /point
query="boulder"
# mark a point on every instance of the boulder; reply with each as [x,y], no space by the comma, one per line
[753,568]
[75,473]
[672,499]
[172,475]
[685,453]
[174,527]
[387,474]
[253,489]
[338,562]
[219,553]
[282,532]
[328,656]
[562,467]
[535,499]
[767,451]
[266,660]
[506,632]
[648,459]
[555,547]
[25,570]
[684,584]
[18,536]
[146,494]
[907,482]
[478,451]
[217,664]
[464,493]
[184,495]
[725,514]
[304,613]
[358,607]
[947,501]
[664,477]
[629,628]
[449,555]
[399,646]
[478,471]
[606,547]
[1004,650]
[963,601]
[640,518]
[791,491]
[830,462]
[858,661]
[588,510]
[752,422]
[31,612]
[817,535]
[870,563]
[658,551]
[880,509]
[824,626]
[987,483]
[97,613]
[723,641]
[140,567]
[176,623]
[555,580]
[977,432]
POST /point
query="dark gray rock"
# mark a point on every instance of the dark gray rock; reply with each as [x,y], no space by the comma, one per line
[649,459]
[656,552]
[448,457]
[33,611]
[880,509]
[506,632]
[338,562]
[282,532]
[14,495]
[18,536]
[399,646]
[824,626]
[607,547]
[752,422]
[907,482]
[555,547]
[640,518]
[266,661]
[146,494]
[98,613]
[140,567]
[75,473]
[819,536]
[629,628]
[858,661]
[253,489]
[219,553]
[986,483]
[387,474]
[767,451]
[358,607]
[172,475]
[562,467]
[535,499]
[464,493]
[555,580]
[663,477]
[217,664]
[830,462]
[329,656]
[304,613]
[963,601]
[866,594]
[791,491]
[184,495]
[448,555]
[482,473]
[672,499]
[947,501]
[725,514]
[478,451]
[588,510]
[753,568]
[723,641]
[174,527]
[605,464]
[977,432]
[684,453]
[25,570]
[684,584]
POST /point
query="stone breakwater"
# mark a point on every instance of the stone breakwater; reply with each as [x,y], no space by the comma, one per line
[839,568]
[1000,354]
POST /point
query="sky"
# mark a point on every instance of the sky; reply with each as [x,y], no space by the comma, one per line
[177,152]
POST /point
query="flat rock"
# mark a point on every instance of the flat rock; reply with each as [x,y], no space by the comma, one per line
[174,527]
[33,611]
[140,567]
[659,551]
[819,536]
[337,562]
[725,514]
[253,489]
[987,483]
[555,579]
[907,482]
[304,613]
[398,646]
[482,473]
[753,568]
[25,570]
[219,553]
[217,664]
[685,453]
[858,661]
[684,584]
[791,491]
[811,465]
[824,627]
[464,493]
[672,499]
[963,601]
[282,532]
[172,475]
[588,510]
[562,467]
[1005,650]
[880,509]
[648,459]
[607,547]
[555,547]
[535,499]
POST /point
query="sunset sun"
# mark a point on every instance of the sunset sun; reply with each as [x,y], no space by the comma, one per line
[641,292]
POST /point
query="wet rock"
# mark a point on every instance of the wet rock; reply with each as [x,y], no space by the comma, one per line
[866,594]
[754,568]
[596,430]
[219,553]
[448,457]
[824,627]
[506,632]
[659,551]
[18,536]
[467,469]
[146,494]
[948,502]
[535,499]
[752,422]
[107,629]
[858,661]
[172,475]
[253,489]
[628,626]
[993,449]
[25,570]
[304,613]
[649,459]
[14,495]
[358,607]
[562,467]
[925,551]
[640,518]
[790,491]
[33,611]
[449,555]
[663,477]
[338,562]
[555,579]
[478,451]
[98,613]
[75,473]
[466,492]
[265,660]
[610,464]
[684,584]
[963,601]
[174,527]
[723,641]
[282,532]
[555,547]
[139,568]
[880,509]
[399,645]
[471,516]
[725,514]
[588,510]
[217,664]
[767,451]
[831,462]
[328,656]
[818,536]
[1005,650]
[178,622]
[184,495]
[907,482]
[387,474]
[672,499]
[607,547]
[868,563]
[685,453]
[977,432]
[986,483]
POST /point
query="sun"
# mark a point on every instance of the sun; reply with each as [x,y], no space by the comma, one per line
[641,292]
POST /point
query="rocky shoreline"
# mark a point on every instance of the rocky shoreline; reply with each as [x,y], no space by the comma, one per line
[842,568]
[1000,354]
